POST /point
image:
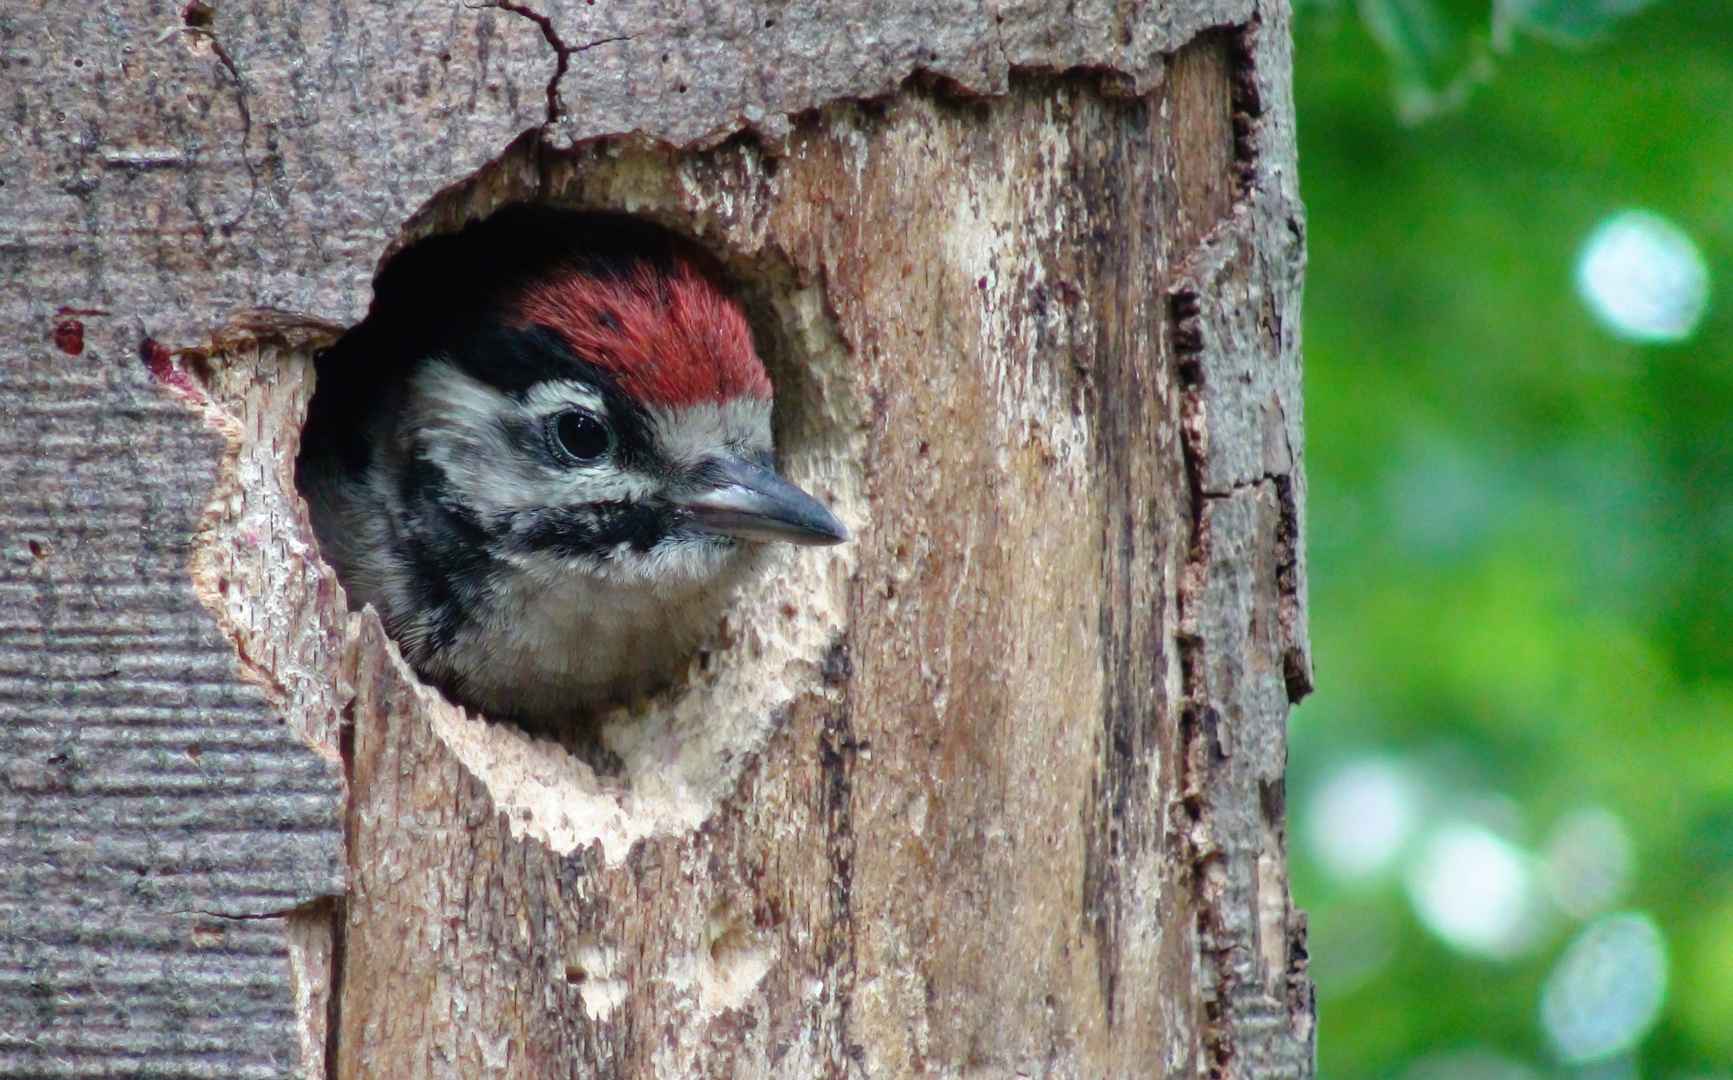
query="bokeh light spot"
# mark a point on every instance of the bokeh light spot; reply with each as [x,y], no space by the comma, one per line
[1607,989]
[1588,862]
[1473,889]
[1362,817]
[1643,278]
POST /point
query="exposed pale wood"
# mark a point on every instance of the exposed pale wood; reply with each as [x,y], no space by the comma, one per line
[993,791]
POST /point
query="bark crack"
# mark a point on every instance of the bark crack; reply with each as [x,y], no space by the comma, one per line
[254,916]
[202,31]
[1247,109]
[1201,750]
[1238,486]
[837,754]
[998,37]
[562,51]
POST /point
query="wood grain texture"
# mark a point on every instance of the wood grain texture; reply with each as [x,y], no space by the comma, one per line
[993,791]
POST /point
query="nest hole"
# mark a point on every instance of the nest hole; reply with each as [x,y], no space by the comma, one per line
[441,300]
[660,764]
[655,765]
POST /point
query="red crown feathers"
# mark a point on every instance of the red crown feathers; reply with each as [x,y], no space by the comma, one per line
[670,340]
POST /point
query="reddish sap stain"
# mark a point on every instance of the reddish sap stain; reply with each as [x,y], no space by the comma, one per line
[156,358]
[160,363]
[69,336]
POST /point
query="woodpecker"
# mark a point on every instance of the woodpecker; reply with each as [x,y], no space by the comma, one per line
[545,458]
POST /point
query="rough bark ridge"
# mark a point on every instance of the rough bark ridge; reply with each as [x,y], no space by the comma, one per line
[994,791]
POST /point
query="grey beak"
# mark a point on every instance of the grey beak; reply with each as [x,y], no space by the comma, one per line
[745,499]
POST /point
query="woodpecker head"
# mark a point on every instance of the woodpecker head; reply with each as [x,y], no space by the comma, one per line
[551,498]
[617,427]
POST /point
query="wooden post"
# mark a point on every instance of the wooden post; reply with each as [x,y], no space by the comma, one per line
[993,791]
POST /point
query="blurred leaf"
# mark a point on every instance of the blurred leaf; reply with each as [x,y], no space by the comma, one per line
[1439,57]
[1568,22]
[1436,63]
[1710,849]
[1705,979]
[1415,34]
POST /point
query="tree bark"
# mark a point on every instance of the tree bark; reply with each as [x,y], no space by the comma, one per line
[994,790]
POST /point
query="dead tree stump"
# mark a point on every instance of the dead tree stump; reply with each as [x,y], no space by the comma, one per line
[993,791]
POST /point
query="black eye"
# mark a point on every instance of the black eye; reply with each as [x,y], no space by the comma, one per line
[579,435]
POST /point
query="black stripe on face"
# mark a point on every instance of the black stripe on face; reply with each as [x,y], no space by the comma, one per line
[594,529]
[445,550]
[516,361]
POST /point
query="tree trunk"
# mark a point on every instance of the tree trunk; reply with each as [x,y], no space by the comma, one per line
[993,791]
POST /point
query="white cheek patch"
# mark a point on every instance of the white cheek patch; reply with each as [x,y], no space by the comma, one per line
[465,427]
[691,434]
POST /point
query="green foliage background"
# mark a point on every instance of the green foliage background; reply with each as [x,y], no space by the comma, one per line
[1521,528]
